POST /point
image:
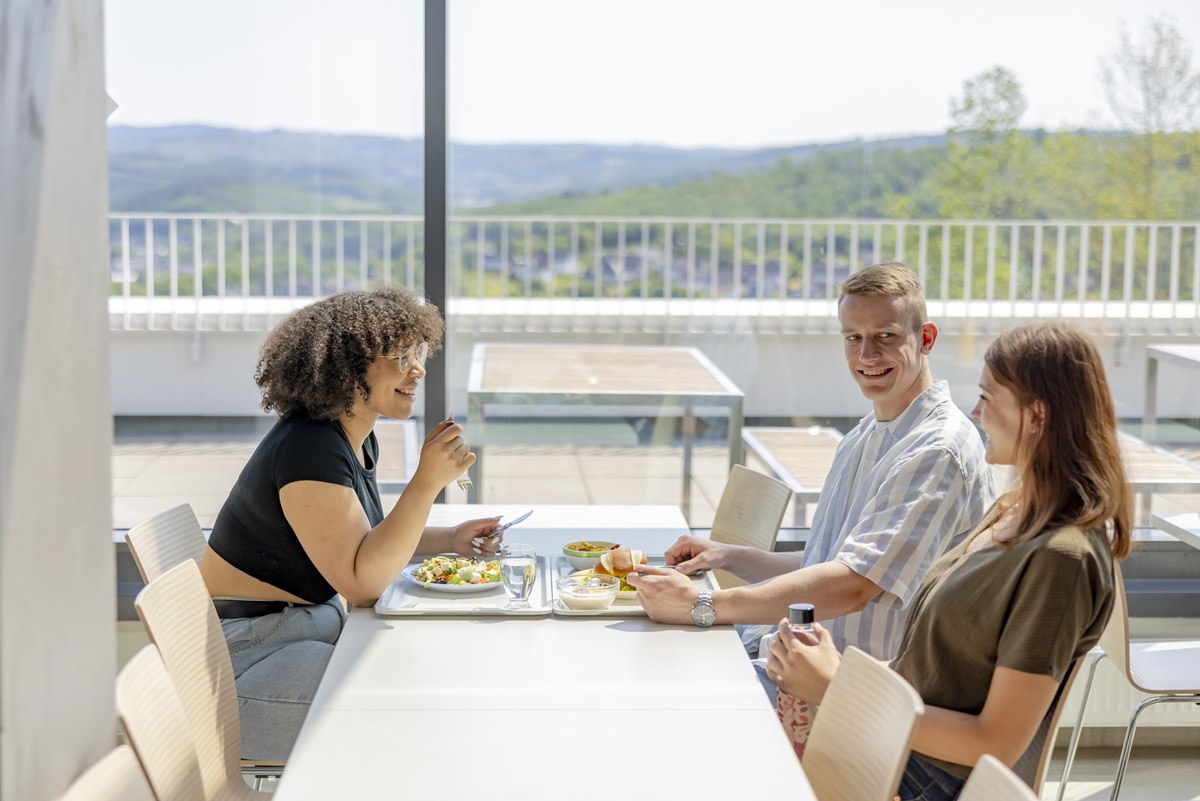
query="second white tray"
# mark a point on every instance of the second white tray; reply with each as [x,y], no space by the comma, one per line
[621,607]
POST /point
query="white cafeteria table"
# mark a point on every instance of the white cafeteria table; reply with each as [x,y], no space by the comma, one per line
[542,708]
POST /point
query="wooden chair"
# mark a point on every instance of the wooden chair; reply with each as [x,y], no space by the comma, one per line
[1167,670]
[1047,749]
[165,540]
[991,780]
[157,728]
[182,623]
[860,740]
[116,777]
[749,513]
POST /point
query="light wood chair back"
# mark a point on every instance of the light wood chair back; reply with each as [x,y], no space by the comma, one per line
[165,540]
[157,728]
[116,777]
[991,780]
[179,616]
[1060,702]
[749,513]
[860,739]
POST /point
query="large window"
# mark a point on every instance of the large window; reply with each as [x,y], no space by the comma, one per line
[696,175]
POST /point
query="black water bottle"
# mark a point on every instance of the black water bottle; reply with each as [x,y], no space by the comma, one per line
[800,617]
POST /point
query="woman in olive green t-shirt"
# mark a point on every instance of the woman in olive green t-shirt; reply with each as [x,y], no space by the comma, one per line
[999,619]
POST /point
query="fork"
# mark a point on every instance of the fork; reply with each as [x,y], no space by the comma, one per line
[464,481]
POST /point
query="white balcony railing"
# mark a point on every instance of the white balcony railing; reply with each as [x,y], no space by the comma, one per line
[244,272]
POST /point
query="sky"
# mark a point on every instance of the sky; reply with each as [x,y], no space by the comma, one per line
[683,73]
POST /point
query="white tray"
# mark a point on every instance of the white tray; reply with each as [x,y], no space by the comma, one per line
[621,607]
[403,597]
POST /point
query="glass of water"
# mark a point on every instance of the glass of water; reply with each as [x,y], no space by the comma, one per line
[518,569]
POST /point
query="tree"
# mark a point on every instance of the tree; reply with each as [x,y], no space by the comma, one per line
[985,151]
[1154,93]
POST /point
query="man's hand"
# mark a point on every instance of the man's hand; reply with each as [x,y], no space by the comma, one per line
[665,594]
[691,555]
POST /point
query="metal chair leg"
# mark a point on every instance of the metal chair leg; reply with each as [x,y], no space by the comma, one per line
[1094,657]
[1128,745]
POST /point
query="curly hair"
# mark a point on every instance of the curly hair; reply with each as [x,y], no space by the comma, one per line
[315,361]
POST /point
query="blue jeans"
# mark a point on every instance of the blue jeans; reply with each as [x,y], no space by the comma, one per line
[278,661]
[923,781]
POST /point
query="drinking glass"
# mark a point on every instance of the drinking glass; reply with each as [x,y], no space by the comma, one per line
[518,569]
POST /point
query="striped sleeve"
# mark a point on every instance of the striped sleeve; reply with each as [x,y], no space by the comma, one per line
[909,521]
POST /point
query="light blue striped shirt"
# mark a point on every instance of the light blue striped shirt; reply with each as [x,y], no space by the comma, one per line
[899,494]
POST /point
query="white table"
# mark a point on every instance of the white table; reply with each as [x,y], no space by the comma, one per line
[578,708]
[1185,526]
[1187,356]
[529,380]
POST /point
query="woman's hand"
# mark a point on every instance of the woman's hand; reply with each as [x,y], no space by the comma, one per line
[473,537]
[445,455]
[802,664]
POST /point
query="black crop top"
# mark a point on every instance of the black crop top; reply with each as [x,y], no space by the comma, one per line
[251,532]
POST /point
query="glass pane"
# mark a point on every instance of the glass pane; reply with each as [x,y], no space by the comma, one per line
[261,154]
[637,175]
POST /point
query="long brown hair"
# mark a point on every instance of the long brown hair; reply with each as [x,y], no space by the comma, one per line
[1070,469]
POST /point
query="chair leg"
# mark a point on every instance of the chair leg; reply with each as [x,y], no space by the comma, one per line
[1094,658]
[1128,745]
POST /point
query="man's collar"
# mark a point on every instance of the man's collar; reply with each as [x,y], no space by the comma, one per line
[921,407]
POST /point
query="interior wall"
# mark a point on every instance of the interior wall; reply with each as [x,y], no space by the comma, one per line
[57,653]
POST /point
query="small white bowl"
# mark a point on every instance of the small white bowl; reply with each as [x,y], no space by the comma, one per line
[585,591]
[585,560]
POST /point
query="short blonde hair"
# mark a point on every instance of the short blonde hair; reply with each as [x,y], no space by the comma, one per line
[889,279]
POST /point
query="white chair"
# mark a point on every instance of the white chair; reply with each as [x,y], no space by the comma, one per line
[116,777]
[749,513]
[165,540]
[157,728]
[860,740]
[991,780]
[182,623]
[1167,670]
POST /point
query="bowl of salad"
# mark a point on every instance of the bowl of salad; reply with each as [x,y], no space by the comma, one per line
[583,554]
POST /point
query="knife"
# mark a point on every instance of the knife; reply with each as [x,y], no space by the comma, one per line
[510,523]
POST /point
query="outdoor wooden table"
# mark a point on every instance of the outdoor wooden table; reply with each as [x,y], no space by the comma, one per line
[1187,356]
[558,380]
[1150,470]
[799,457]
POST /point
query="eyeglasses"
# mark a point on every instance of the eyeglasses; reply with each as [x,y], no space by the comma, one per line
[413,357]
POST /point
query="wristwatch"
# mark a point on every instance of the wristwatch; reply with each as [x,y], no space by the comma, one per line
[703,614]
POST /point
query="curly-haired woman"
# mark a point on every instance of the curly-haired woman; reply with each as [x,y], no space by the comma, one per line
[999,620]
[304,522]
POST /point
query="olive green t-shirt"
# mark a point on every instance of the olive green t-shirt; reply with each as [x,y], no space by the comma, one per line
[1036,607]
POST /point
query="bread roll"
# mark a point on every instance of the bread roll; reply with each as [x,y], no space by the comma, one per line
[619,562]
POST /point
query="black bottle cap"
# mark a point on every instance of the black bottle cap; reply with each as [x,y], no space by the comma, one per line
[801,614]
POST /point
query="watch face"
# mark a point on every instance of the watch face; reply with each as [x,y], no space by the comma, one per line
[703,614]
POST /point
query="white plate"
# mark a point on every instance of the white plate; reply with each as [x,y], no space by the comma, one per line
[452,589]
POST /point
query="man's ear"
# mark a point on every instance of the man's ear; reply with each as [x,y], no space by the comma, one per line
[929,335]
